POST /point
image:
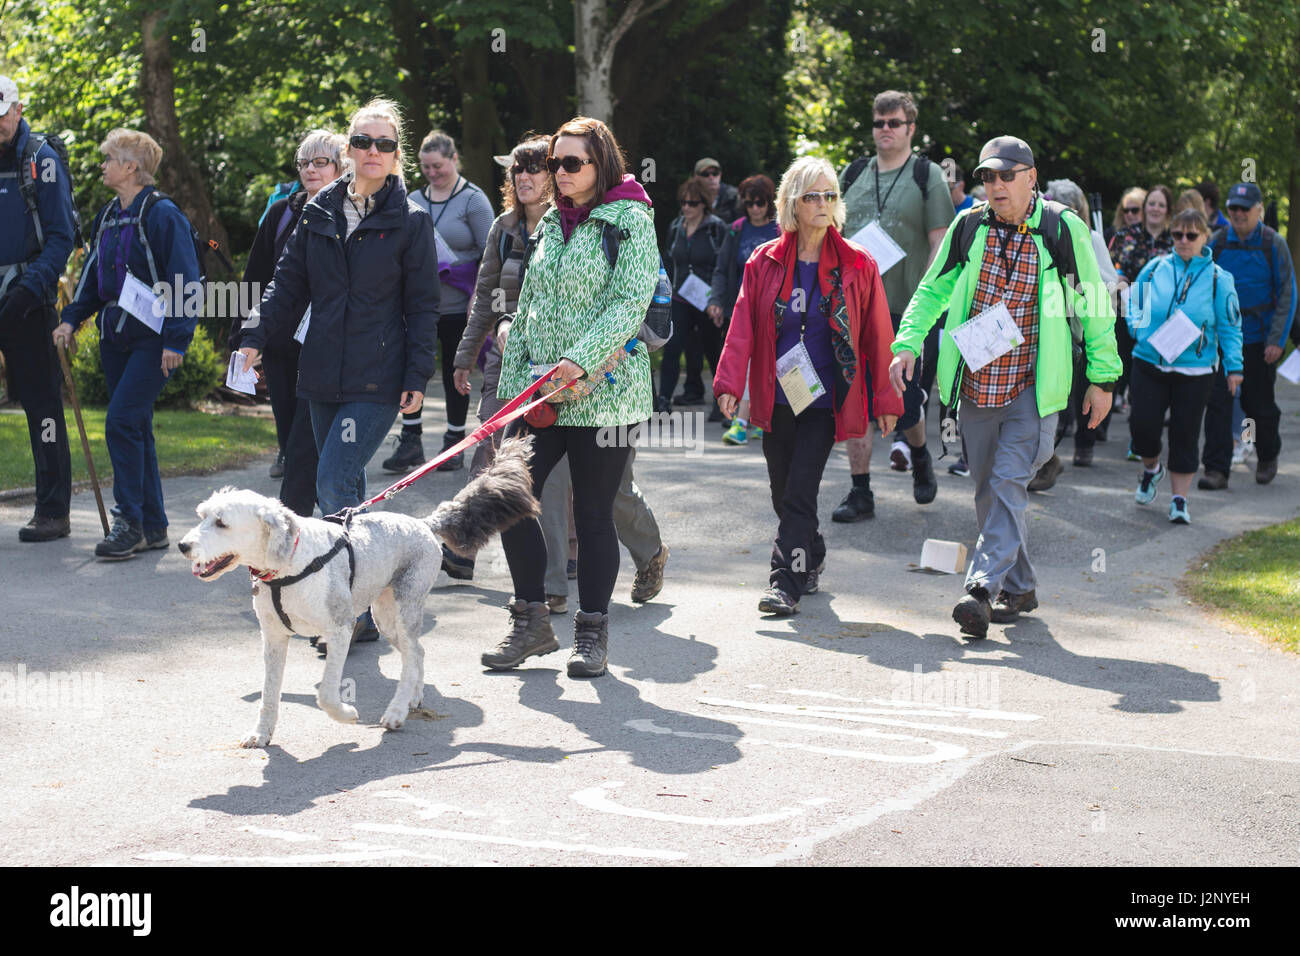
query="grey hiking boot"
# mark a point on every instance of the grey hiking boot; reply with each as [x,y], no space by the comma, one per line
[126,538]
[530,633]
[590,645]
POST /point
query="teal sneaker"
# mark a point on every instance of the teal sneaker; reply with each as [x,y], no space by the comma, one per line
[1131,456]
[737,434]
[755,432]
[1178,511]
[1146,492]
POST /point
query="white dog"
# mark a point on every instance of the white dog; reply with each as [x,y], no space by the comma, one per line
[313,577]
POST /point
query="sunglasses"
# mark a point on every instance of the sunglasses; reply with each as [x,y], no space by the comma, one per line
[691,202]
[1184,236]
[811,198]
[1006,175]
[320,162]
[570,164]
[530,167]
[749,203]
[891,123]
[1132,210]
[363,142]
[710,172]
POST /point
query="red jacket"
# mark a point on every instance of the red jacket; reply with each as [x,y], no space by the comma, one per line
[751,340]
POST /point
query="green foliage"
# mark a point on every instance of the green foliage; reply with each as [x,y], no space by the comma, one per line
[200,373]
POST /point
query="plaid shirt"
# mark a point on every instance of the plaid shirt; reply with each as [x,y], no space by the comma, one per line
[1002,380]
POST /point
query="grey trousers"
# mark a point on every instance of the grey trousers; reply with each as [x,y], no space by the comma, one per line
[1005,447]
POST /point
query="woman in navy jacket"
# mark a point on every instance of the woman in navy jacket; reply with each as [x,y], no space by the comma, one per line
[363,257]
[137,360]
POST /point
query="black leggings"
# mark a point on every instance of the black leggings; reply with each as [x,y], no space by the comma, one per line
[1152,393]
[450,330]
[596,474]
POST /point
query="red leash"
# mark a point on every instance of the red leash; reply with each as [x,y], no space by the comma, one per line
[515,408]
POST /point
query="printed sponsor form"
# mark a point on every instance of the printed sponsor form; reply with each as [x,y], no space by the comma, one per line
[137,299]
[245,382]
[798,378]
[1174,335]
[300,335]
[695,291]
[883,249]
[991,334]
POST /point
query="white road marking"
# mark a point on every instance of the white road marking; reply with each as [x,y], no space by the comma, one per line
[623,851]
[281,834]
[376,853]
[428,809]
[942,751]
[595,798]
[849,713]
[935,709]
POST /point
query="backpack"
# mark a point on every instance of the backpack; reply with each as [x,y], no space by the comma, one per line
[657,326]
[27,184]
[1266,241]
[201,248]
[920,173]
[1056,240]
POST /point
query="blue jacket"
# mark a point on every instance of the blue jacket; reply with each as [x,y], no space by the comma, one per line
[1261,267]
[53,202]
[374,298]
[173,252]
[1167,284]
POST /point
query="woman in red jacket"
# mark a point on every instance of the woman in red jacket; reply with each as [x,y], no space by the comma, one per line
[812,326]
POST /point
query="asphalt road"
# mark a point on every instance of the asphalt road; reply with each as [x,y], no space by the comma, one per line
[1117,725]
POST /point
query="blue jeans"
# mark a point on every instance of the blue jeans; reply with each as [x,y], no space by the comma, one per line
[347,436]
[135,379]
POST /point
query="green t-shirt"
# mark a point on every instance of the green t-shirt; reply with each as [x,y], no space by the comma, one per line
[906,217]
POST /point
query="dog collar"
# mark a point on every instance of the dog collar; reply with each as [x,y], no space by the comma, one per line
[270,575]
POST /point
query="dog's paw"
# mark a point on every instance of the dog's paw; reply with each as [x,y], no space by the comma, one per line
[393,717]
[417,701]
[343,713]
[255,739]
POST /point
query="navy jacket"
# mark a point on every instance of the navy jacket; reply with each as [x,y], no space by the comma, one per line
[173,252]
[53,201]
[374,298]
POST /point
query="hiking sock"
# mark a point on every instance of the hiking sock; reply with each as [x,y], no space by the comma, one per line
[412,423]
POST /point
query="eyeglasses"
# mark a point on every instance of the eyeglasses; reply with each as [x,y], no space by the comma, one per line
[811,198]
[691,202]
[1006,175]
[571,164]
[891,123]
[320,162]
[749,203]
[710,172]
[530,167]
[363,142]
[1132,210]
[1183,236]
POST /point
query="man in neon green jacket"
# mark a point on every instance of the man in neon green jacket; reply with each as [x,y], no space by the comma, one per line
[1009,401]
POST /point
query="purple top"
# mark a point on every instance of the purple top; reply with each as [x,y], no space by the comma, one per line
[816,331]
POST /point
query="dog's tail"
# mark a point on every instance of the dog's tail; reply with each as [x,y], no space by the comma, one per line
[492,502]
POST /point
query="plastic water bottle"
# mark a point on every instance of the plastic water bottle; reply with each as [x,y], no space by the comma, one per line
[663,289]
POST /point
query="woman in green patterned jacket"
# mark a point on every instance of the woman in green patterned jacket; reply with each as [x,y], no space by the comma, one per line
[575,312]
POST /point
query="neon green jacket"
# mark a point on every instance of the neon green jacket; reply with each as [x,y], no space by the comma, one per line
[953,290]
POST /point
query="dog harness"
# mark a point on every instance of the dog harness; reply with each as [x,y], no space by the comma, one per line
[277,584]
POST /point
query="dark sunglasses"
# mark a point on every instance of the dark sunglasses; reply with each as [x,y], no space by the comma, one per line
[320,162]
[1006,175]
[363,142]
[891,123]
[1184,236]
[811,198]
[571,164]
[1132,210]
[532,166]
[710,172]
[691,202]
[755,202]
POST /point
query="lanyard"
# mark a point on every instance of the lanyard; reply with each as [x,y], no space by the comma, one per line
[1182,296]
[807,298]
[428,194]
[880,203]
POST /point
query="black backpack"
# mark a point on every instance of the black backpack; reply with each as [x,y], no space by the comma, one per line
[27,184]
[657,326]
[920,173]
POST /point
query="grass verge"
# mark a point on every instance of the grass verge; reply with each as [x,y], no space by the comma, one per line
[187,442]
[1254,580]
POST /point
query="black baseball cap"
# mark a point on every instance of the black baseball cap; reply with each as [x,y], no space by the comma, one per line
[1244,195]
[1005,152]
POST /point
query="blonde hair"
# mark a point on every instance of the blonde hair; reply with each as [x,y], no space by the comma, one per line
[796,181]
[381,110]
[133,146]
[1133,191]
[1191,199]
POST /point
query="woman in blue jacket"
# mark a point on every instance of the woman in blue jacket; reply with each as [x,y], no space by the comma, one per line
[1184,289]
[364,259]
[138,242]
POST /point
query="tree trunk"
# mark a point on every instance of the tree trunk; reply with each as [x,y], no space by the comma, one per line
[409,55]
[480,122]
[177,176]
[593,59]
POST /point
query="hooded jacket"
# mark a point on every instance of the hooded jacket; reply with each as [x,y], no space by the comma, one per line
[573,306]
[373,297]
[1167,284]
[751,342]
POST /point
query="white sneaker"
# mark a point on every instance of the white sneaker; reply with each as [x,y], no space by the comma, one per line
[1238,453]
[900,456]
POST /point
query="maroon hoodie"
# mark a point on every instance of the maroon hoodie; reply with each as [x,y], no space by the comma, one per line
[571,216]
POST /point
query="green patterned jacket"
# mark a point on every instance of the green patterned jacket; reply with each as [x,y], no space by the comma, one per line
[572,306]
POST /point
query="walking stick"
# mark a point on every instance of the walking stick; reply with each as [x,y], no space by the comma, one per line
[85,444]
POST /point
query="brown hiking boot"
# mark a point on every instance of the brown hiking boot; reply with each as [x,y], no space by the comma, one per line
[1008,607]
[530,633]
[650,579]
[45,528]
